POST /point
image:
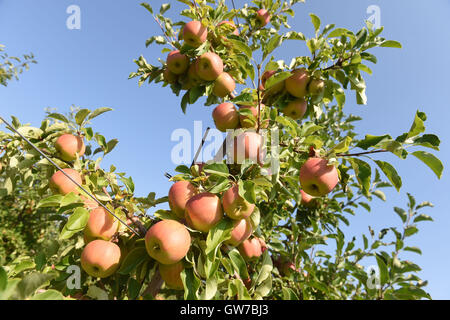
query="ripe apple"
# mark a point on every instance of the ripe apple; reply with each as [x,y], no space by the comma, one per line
[296,109]
[170,273]
[235,206]
[100,258]
[59,183]
[101,225]
[179,194]
[317,178]
[307,200]
[226,117]
[177,62]
[245,121]
[263,16]
[230,23]
[250,249]
[69,145]
[242,229]
[169,76]
[249,146]
[204,211]
[209,66]
[316,87]
[193,77]
[275,88]
[195,33]
[224,85]
[297,84]
[168,241]
[89,203]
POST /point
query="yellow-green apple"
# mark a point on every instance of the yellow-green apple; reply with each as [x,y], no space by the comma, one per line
[307,200]
[209,66]
[224,85]
[177,62]
[169,76]
[263,16]
[59,183]
[171,274]
[251,249]
[235,206]
[179,194]
[195,33]
[317,177]
[101,225]
[204,211]
[226,117]
[297,84]
[100,258]
[316,87]
[249,146]
[230,23]
[242,229]
[296,109]
[69,145]
[167,241]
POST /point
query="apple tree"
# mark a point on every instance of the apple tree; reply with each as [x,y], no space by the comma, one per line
[264,222]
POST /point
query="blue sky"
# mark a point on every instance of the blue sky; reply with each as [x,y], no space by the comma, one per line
[90,67]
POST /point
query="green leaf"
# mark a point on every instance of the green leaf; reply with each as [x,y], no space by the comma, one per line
[191,284]
[238,263]
[217,169]
[401,213]
[52,201]
[98,112]
[241,46]
[431,161]
[315,21]
[342,146]
[218,234]
[391,44]
[289,294]
[422,217]
[274,43]
[413,249]
[81,116]
[418,125]
[247,191]
[95,292]
[371,141]
[411,230]
[3,279]
[277,78]
[76,223]
[31,282]
[147,6]
[338,32]
[133,259]
[363,173]
[48,295]
[58,116]
[390,173]
[384,273]
[266,269]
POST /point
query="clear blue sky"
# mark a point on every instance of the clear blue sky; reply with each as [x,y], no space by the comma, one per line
[90,67]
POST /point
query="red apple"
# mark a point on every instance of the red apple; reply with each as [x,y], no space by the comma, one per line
[195,33]
[193,77]
[204,211]
[100,258]
[171,274]
[250,249]
[179,194]
[224,85]
[317,178]
[249,146]
[230,23]
[177,62]
[235,206]
[209,66]
[263,16]
[69,145]
[297,84]
[296,109]
[169,76]
[59,183]
[168,241]
[101,225]
[278,87]
[226,117]
[242,229]
[307,200]
[246,122]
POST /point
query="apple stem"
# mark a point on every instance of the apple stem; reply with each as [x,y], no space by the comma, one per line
[259,97]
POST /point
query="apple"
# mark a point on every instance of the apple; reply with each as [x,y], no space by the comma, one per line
[297,84]
[296,109]
[287,267]
[169,76]
[209,66]
[101,224]
[263,16]
[100,258]
[195,33]
[224,85]
[230,23]
[316,87]
[250,249]
[193,77]
[247,122]
[317,178]
[204,211]
[235,206]
[242,229]
[170,273]
[179,194]
[59,183]
[177,62]
[307,200]
[249,146]
[89,203]
[226,117]
[69,145]
[278,87]
[167,241]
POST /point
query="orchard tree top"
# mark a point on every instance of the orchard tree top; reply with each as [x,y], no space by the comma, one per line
[254,223]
